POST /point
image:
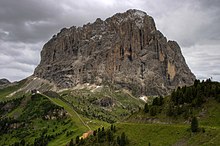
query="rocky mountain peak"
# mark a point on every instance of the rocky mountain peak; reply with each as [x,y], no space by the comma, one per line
[132,14]
[126,51]
[4,81]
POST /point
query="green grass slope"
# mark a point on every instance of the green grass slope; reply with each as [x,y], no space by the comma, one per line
[10,89]
[168,135]
[39,120]
[167,120]
[54,119]
[105,105]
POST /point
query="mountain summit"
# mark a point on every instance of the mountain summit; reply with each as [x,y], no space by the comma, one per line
[126,51]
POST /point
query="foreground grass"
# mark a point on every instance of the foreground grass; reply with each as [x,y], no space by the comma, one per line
[155,134]
[210,116]
[167,135]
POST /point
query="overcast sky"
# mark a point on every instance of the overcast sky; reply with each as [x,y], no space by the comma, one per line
[25,25]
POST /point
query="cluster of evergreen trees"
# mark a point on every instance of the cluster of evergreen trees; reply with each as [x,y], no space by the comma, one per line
[44,139]
[196,94]
[6,123]
[102,137]
[13,104]
[184,99]
[21,143]
[155,107]
[93,112]
[38,107]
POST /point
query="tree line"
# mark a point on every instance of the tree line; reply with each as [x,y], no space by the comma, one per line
[102,136]
[184,99]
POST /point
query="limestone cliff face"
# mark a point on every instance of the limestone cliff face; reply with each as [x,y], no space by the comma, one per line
[126,50]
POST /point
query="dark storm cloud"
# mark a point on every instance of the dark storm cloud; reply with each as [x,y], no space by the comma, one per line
[25,25]
[34,21]
[27,20]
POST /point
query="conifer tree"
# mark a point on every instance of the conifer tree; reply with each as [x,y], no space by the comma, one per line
[71,143]
[77,139]
[123,139]
[118,140]
[146,108]
[153,111]
[194,125]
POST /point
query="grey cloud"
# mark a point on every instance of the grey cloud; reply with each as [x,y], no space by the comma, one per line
[210,4]
[204,60]
[18,60]
[14,74]
[19,11]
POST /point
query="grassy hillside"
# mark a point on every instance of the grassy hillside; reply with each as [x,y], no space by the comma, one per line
[168,134]
[54,118]
[37,120]
[87,124]
[10,89]
[106,104]
[167,120]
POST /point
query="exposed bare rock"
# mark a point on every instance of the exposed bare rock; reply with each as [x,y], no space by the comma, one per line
[125,50]
[4,83]
[104,102]
[56,114]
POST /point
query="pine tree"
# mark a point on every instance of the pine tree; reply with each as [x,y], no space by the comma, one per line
[109,136]
[77,139]
[94,133]
[194,125]
[180,98]
[170,110]
[112,127]
[118,140]
[196,82]
[155,101]
[161,101]
[146,108]
[153,111]
[71,143]
[22,142]
[123,139]
[81,141]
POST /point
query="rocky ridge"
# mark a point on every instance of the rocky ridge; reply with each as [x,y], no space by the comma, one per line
[126,51]
[4,83]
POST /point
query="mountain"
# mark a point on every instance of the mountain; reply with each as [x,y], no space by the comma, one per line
[80,94]
[4,82]
[124,51]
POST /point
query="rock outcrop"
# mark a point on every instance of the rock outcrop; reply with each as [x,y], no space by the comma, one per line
[4,83]
[126,50]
